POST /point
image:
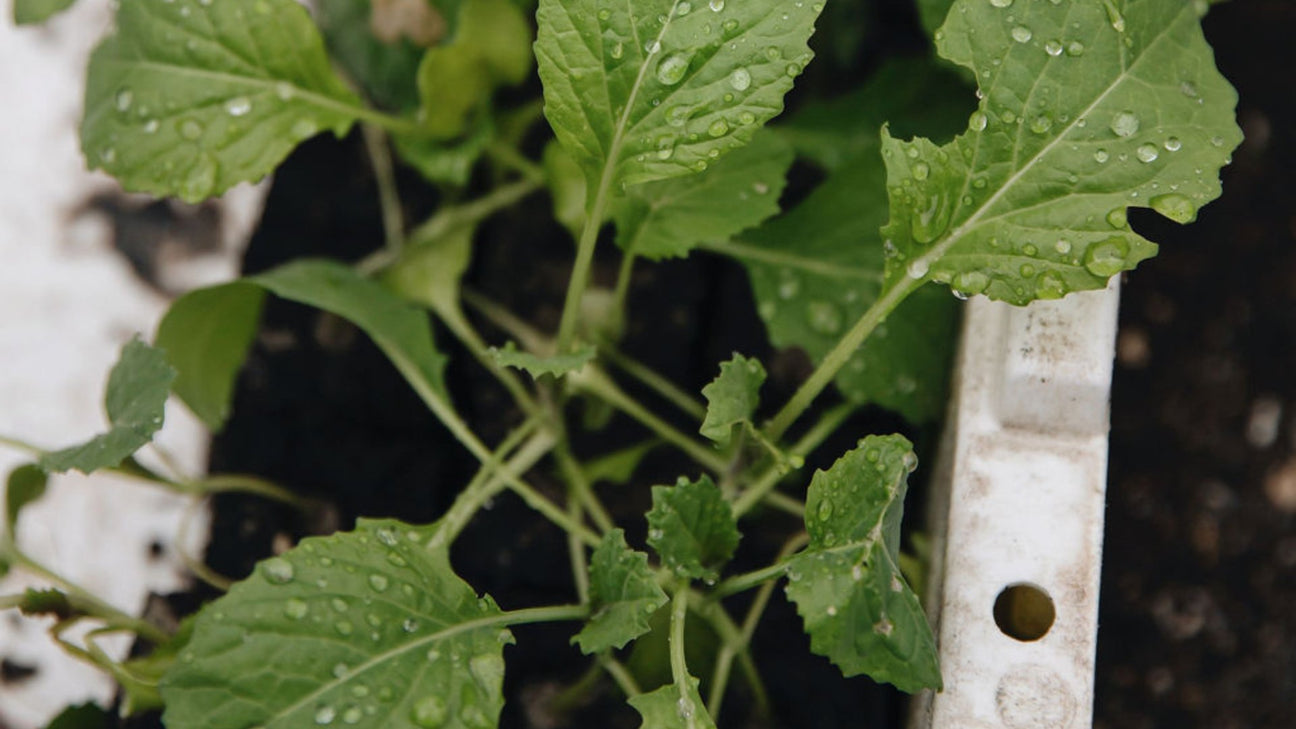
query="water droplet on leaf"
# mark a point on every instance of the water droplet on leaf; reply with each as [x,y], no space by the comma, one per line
[1125,124]
[278,570]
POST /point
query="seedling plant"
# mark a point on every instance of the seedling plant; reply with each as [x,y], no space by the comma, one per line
[660,145]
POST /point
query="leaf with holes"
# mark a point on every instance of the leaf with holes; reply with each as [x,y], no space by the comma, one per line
[669,217]
[368,628]
[692,528]
[192,98]
[649,90]
[1089,107]
[732,397]
[135,399]
[623,595]
[847,585]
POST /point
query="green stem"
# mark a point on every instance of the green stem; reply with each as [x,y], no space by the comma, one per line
[389,122]
[595,382]
[840,354]
[654,381]
[89,603]
[509,157]
[246,484]
[21,445]
[584,257]
[393,218]
[716,616]
[580,486]
[487,482]
[547,614]
[529,337]
[622,292]
[622,676]
[812,439]
[192,563]
[577,694]
[785,504]
[679,666]
[748,580]
[576,550]
[463,331]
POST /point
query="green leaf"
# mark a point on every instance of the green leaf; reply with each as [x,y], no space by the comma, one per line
[206,335]
[140,691]
[190,99]
[673,707]
[25,484]
[446,162]
[430,269]
[818,268]
[30,12]
[732,397]
[82,716]
[457,80]
[559,364]
[399,330]
[692,528]
[668,218]
[135,400]
[913,95]
[618,467]
[381,47]
[1086,111]
[623,595]
[847,584]
[644,91]
[369,628]
[566,185]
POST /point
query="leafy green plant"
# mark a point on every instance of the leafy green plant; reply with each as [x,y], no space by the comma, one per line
[658,111]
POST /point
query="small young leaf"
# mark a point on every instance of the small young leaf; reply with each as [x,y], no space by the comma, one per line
[206,335]
[25,484]
[669,217]
[135,400]
[847,584]
[818,268]
[732,397]
[369,618]
[648,90]
[399,330]
[48,602]
[623,595]
[190,99]
[31,12]
[559,364]
[673,707]
[692,528]
[1075,126]
[618,467]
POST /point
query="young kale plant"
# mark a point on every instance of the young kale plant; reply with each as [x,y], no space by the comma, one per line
[658,111]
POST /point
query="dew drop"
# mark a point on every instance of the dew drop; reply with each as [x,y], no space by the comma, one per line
[278,570]
[1050,286]
[1041,124]
[1075,48]
[1147,153]
[883,627]
[1022,34]
[1118,219]
[123,99]
[325,715]
[921,171]
[1101,156]
[151,126]
[718,128]
[343,627]
[340,670]
[789,286]
[729,26]
[673,67]
[378,582]
[1001,3]
[238,106]
[832,611]
[1174,206]
[295,609]
[340,605]
[1173,144]
[740,79]
[107,155]
[1125,124]
[191,129]
[409,625]
[1106,258]
[428,712]
[716,5]
[1063,246]
[352,715]
[773,53]
[1189,89]
[918,268]
[488,670]
[1053,48]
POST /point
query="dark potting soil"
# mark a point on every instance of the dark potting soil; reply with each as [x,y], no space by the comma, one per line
[1199,602]
[1198,606]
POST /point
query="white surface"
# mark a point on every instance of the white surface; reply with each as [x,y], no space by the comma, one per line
[1026,464]
[68,302]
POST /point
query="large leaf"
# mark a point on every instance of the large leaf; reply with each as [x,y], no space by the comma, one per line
[816,270]
[673,707]
[623,595]
[669,217]
[654,89]
[136,403]
[1089,107]
[192,98]
[368,628]
[692,528]
[732,397]
[847,585]
[400,331]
